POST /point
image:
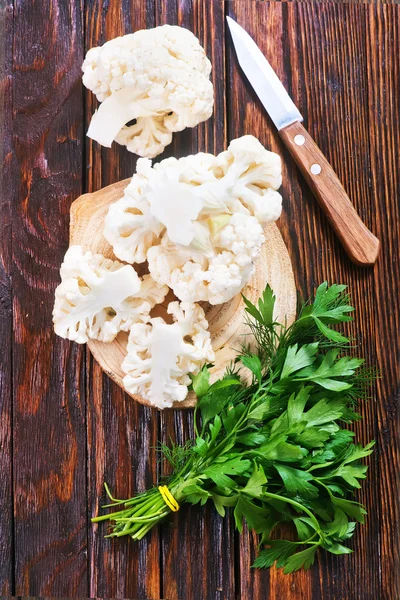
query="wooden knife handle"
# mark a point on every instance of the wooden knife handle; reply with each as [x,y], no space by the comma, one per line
[360,244]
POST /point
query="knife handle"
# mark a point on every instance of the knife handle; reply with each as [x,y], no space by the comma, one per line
[360,244]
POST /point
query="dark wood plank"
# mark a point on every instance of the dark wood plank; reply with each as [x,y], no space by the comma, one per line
[198,553]
[319,51]
[6,186]
[383,76]
[336,98]
[49,402]
[121,433]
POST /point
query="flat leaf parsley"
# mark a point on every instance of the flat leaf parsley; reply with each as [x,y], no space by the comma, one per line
[274,450]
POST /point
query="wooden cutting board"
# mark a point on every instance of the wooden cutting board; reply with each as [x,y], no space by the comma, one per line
[226,321]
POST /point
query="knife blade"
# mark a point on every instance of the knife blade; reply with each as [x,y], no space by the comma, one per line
[360,244]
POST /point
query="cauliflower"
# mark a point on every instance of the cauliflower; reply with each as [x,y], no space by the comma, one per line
[161,356]
[97,297]
[158,78]
[216,276]
[198,220]
[129,226]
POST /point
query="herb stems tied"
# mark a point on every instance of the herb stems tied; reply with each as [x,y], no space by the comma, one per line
[271,443]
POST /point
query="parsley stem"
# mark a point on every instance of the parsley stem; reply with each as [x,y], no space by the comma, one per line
[298,505]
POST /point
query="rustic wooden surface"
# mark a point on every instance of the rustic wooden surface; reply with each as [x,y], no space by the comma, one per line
[65,427]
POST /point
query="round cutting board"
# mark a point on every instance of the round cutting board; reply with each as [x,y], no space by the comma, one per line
[226,321]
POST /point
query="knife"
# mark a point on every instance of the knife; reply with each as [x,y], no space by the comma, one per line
[360,244]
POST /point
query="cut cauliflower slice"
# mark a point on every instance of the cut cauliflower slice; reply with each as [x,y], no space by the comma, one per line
[161,356]
[217,277]
[158,77]
[98,297]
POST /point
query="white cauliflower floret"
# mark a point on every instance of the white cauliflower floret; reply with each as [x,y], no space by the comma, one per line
[215,278]
[97,297]
[158,77]
[199,224]
[161,356]
[129,226]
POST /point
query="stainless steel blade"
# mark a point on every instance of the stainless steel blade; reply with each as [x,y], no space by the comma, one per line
[263,78]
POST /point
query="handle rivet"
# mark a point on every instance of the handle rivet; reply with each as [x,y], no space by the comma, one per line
[299,140]
[315,169]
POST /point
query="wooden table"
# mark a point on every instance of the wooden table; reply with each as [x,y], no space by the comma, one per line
[64,427]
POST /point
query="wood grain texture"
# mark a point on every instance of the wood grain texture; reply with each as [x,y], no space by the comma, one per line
[383,77]
[49,404]
[121,434]
[339,62]
[320,52]
[6,179]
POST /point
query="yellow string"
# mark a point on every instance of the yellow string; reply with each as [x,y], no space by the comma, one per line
[168,498]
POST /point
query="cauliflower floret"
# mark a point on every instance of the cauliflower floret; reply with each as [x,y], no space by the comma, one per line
[161,356]
[217,278]
[158,77]
[200,219]
[129,226]
[97,297]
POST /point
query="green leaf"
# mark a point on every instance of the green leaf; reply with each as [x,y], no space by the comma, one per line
[349,532]
[339,525]
[195,494]
[296,404]
[256,517]
[298,358]
[252,310]
[356,452]
[279,552]
[200,382]
[215,427]
[336,548]
[224,383]
[201,447]
[330,333]
[260,411]
[304,559]
[257,480]
[351,474]
[266,306]
[313,437]
[221,502]
[296,481]
[216,399]
[232,415]
[252,439]
[304,531]
[336,446]
[253,363]
[353,509]
[324,412]
[221,472]
[265,311]
[285,452]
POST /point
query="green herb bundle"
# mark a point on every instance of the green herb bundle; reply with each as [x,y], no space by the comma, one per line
[274,450]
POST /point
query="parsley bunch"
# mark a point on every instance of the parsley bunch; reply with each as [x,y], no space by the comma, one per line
[274,450]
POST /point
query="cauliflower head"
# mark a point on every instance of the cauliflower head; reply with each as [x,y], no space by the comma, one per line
[159,78]
[162,355]
[198,220]
[98,297]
